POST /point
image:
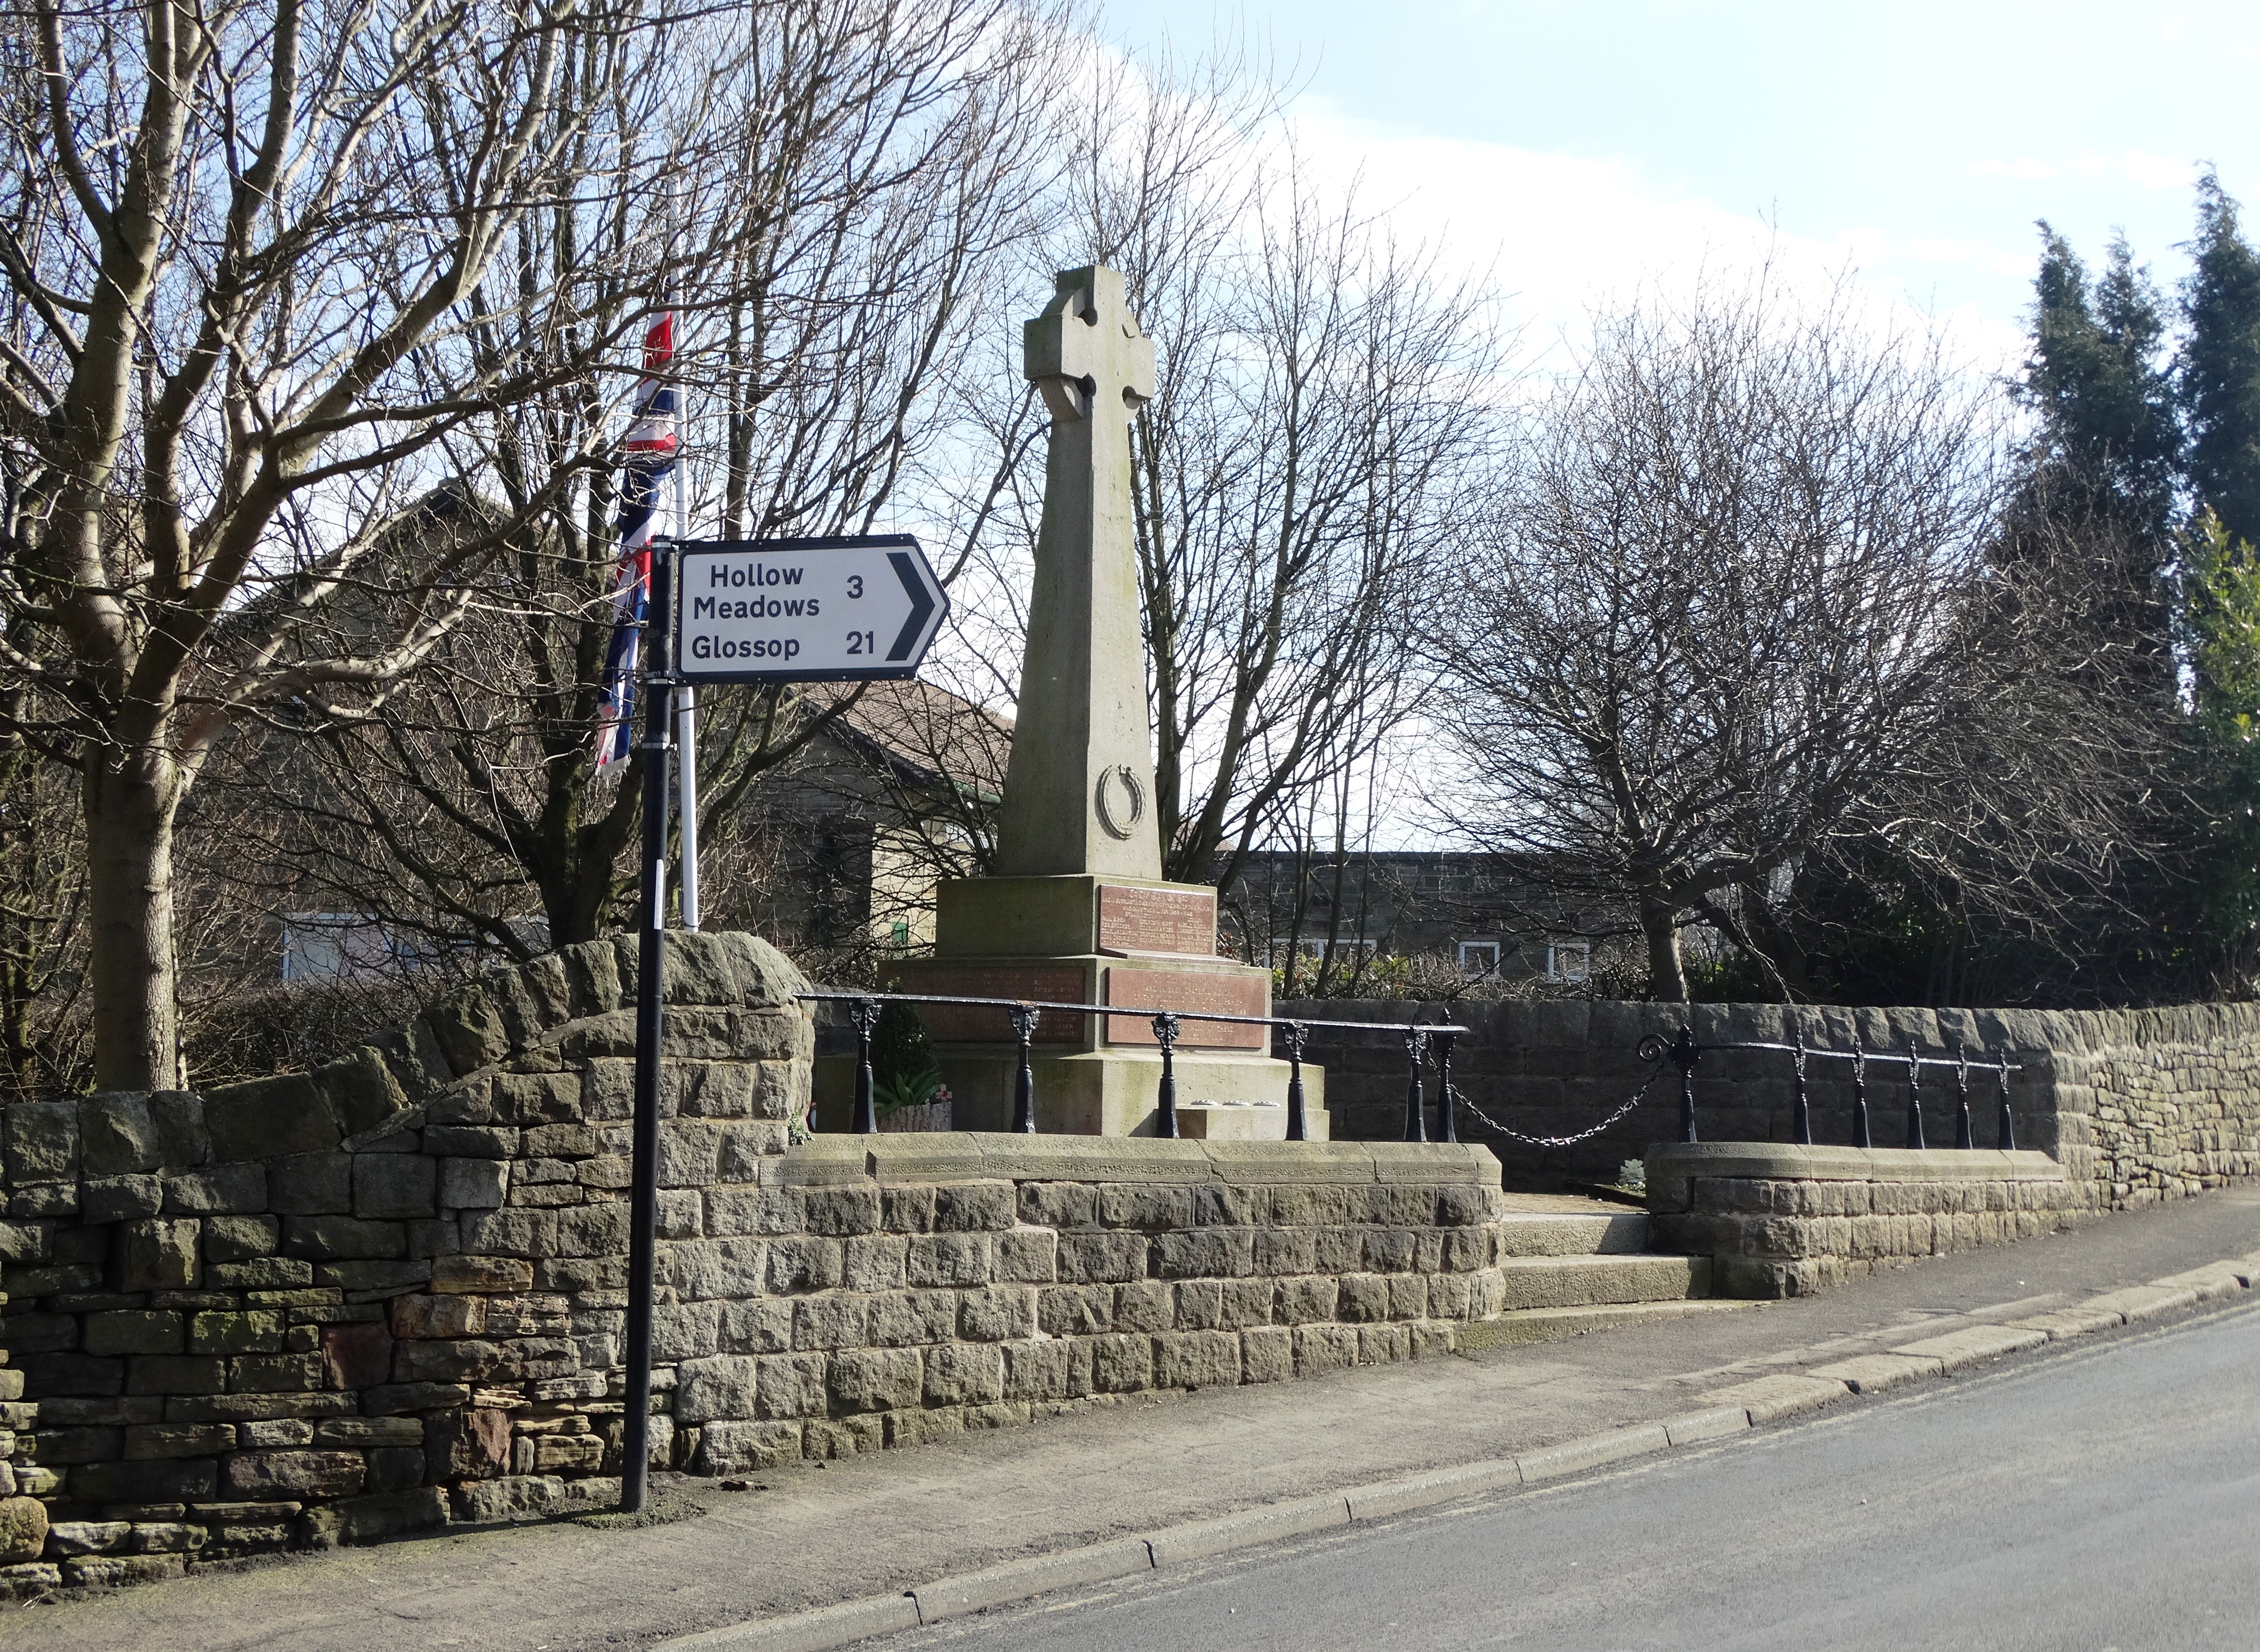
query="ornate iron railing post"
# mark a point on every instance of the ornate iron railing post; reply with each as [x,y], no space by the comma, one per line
[1416,1107]
[1165,1034]
[1963,1138]
[1684,1051]
[1293,1034]
[1448,1125]
[1801,1124]
[1024,1081]
[1860,1138]
[2008,1123]
[1914,1090]
[865,1013]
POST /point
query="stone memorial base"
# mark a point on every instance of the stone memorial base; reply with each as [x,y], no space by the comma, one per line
[1084,939]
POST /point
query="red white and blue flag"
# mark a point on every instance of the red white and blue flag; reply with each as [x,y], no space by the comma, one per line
[647,463]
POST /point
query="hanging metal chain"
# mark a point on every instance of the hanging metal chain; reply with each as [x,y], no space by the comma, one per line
[1460,1099]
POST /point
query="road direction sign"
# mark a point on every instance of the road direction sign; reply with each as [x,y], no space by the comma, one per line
[803,610]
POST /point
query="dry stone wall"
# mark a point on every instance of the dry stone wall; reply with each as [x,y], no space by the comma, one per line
[1787,1221]
[391,1293]
[2137,1104]
[378,1297]
[889,1288]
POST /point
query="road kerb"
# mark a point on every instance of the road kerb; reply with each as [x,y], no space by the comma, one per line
[2212,1281]
[1771,1398]
[2144,1302]
[1574,1456]
[818,1631]
[1016,1580]
[1425,1490]
[1872,1373]
[1173,1544]
[1958,1349]
[2069,1322]
[1693,1427]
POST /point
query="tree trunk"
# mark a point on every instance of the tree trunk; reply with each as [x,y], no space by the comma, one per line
[1667,973]
[131,799]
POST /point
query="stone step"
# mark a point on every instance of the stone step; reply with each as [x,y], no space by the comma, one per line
[1572,1234]
[1554,1324]
[1589,1281]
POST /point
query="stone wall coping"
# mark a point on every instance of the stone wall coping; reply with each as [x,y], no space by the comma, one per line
[964,1156]
[1775,1162]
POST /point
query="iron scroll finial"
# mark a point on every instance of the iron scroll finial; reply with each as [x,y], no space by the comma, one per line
[1684,1053]
[1293,1035]
[1165,1033]
[1963,1135]
[1416,1110]
[1447,1123]
[1024,1016]
[1859,1136]
[1802,1131]
[1914,1092]
[864,1012]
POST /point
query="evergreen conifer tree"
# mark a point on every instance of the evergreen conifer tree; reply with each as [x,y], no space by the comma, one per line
[2096,379]
[2098,500]
[2218,373]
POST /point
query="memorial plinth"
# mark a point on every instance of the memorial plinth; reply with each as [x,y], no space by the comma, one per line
[1080,913]
[1144,945]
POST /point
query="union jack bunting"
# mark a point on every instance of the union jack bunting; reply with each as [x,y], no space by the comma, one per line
[648,461]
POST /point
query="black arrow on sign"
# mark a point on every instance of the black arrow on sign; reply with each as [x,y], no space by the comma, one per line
[921,605]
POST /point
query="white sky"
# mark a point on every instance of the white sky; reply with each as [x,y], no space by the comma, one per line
[1581,149]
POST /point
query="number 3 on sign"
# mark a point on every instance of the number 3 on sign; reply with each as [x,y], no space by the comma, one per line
[854,585]
[861,642]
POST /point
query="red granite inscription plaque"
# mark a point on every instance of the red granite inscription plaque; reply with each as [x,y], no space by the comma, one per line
[965,1024]
[1157,920]
[1151,989]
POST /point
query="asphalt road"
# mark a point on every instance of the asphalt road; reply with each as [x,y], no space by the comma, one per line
[2091,1498]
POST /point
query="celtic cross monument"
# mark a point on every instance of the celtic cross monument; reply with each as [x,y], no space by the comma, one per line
[1077,911]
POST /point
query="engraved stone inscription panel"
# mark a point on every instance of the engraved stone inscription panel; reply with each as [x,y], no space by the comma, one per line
[1151,989]
[1157,920]
[963,1024]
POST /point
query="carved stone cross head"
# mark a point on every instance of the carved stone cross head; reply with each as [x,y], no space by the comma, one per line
[1085,351]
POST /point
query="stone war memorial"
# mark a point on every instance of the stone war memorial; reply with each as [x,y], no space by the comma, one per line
[391,1293]
[1077,913]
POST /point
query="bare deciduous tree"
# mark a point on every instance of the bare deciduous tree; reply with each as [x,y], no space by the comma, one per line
[1733,610]
[861,171]
[248,248]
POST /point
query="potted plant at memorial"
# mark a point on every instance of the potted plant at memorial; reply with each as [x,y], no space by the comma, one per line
[906,1087]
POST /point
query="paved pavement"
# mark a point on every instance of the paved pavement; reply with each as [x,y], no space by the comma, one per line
[2097,1496]
[821,1534]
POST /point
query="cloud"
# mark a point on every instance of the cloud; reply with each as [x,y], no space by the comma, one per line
[1560,232]
[2156,173]
[2024,170]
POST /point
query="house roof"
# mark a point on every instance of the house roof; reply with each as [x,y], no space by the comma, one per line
[927,734]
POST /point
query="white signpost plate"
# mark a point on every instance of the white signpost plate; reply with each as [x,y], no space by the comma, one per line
[803,610]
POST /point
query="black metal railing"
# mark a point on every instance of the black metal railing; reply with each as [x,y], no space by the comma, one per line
[1420,1039]
[1682,1050]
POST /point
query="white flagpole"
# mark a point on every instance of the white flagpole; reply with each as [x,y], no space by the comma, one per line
[686,697]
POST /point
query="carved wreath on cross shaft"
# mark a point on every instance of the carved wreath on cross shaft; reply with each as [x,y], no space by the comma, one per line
[1119,800]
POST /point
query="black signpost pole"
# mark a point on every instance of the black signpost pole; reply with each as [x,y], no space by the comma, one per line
[643,1197]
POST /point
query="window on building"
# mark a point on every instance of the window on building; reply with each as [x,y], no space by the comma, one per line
[1568,960]
[1478,958]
